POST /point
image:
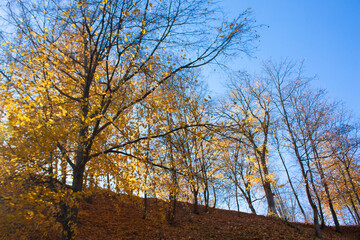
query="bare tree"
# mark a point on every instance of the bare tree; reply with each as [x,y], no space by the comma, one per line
[286,84]
[249,115]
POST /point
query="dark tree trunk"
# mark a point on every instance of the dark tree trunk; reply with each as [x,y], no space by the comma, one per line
[247,196]
[145,206]
[237,199]
[251,207]
[172,209]
[321,214]
[206,197]
[69,212]
[196,204]
[214,192]
[173,199]
[333,213]
[270,199]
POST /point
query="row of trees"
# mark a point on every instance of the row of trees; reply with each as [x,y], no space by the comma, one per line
[287,125]
[107,94]
[84,85]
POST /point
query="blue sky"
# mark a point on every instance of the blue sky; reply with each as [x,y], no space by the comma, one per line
[323,33]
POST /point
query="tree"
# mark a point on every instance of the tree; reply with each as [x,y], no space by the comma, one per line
[249,115]
[240,170]
[287,83]
[312,113]
[191,147]
[78,70]
[340,142]
[290,181]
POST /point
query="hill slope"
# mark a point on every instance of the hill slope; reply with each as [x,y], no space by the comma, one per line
[106,217]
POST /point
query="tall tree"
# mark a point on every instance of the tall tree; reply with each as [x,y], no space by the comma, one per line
[250,116]
[287,82]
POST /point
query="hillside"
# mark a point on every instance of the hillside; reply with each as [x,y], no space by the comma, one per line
[106,217]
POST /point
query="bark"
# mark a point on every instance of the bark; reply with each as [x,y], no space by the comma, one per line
[214,193]
[174,185]
[248,201]
[266,184]
[195,193]
[315,211]
[247,194]
[251,206]
[108,181]
[173,199]
[237,200]
[282,208]
[206,197]
[270,199]
[264,172]
[69,213]
[145,206]
[326,187]
[321,214]
[66,220]
[172,209]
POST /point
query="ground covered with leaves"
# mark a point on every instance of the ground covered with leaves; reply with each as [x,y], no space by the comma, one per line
[105,217]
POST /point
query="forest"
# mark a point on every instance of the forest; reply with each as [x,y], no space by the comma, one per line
[109,95]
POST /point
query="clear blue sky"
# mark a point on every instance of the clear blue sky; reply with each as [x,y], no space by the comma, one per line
[325,33]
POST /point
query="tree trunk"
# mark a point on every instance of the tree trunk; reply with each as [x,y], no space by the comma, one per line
[289,179]
[145,206]
[326,187]
[298,157]
[173,198]
[206,197]
[195,193]
[237,199]
[352,184]
[214,192]
[108,181]
[315,191]
[264,173]
[281,206]
[355,211]
[315,211]
[350,196]
[66,218]
[246,193]
[324,183]
[249,202]
[270,199]
[69,213]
